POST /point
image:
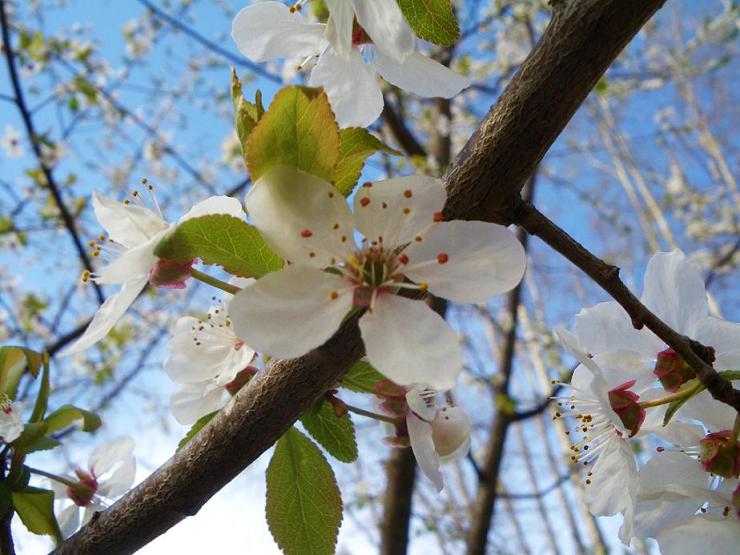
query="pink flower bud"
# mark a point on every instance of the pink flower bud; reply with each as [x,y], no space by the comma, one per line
[720,454]
[672,371]
[170,274]
[625,404]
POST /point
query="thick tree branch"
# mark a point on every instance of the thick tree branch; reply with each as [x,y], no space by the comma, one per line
[484,182]
[696,355]
[581,41]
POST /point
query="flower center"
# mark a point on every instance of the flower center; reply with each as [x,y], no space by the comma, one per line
[672,370]
[372,269]
[359,35]
[83,492]
[625,404]
[719,453]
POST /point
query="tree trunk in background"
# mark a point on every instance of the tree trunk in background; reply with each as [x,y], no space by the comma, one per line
[485,503]
[394,532]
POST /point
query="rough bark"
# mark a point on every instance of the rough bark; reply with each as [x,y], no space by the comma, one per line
[583,39]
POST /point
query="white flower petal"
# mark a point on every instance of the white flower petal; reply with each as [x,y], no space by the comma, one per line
[420,75]
[110,454]
[451,433]
[198,353]
[620,367]
[701,534]
[120,480]
[339,25]
[11,422]
[613,487]
[410,343]
[674,290]
[267,30]
[287,313]
[574,347]
[216,205]
[128,225]
[356,101]
[418,404]
[386,26]
[69,520]
[194,400]
[108,314]
[302,217]
[398,209]
[715,415]
[724,336]
[479,260]
[607,327]
[420,436]
[132,264]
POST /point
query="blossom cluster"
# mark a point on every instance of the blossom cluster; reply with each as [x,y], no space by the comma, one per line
[687,493]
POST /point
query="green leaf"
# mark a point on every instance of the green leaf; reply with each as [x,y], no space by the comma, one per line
[14,361]
[246,114]
[67,414]
[195,428]
[223,240]
[43,444]
[35,507]
[32,432]
[336,435]
[432,20]
[675,405]
[298,130]
[42,398]
[304,506]
[356,145]
[362,378]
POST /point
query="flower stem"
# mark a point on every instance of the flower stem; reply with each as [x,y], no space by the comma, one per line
[51,476]
[670,398]
[736,427]
[373,415]
[214,282]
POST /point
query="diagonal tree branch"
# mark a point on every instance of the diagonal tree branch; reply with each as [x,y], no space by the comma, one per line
[582,40]
[696,355]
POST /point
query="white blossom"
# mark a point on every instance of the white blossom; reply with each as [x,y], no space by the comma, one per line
[11,142]
[11,420]
[110,472]
[406,246]
[359,39]
[205,358]
[134,231]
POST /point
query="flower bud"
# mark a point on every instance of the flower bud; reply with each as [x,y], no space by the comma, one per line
[170,274]
[450,431]
[719,453]
[625,404]
[672,370]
